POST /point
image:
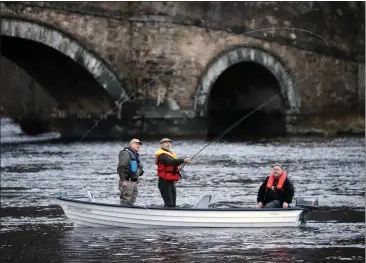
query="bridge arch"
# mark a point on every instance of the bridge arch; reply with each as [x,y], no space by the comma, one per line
[67,45]
[254,76]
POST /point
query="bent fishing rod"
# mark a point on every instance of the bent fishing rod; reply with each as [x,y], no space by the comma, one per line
[218,137]
[253,31]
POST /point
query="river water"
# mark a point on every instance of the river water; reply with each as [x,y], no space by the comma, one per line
[34,227]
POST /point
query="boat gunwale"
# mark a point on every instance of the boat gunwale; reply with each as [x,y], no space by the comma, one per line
[292,208]
[175,218]
[91,219]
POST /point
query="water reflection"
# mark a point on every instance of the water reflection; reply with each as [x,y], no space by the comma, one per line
[280,255]
[199,245]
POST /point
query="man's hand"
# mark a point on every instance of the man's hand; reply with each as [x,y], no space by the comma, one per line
[187,160]
[260,204]
[285,205]
[140,172]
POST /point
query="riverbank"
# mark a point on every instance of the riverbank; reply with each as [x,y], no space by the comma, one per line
[330,127]
[194,128]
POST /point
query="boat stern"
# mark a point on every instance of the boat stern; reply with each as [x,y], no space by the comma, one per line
[308,204]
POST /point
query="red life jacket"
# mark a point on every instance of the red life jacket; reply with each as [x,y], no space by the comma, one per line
[168,173]
[280,183]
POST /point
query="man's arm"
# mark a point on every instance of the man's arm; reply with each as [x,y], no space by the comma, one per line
[123,164]
[261,191]
[289,191]
[167,160]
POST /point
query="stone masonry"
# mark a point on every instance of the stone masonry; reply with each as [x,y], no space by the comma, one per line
[179,41]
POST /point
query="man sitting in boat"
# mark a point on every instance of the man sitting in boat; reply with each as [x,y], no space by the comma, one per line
[129,169]
[276,191]
[168,171]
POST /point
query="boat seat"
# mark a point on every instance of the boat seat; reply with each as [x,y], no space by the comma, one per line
[203,202]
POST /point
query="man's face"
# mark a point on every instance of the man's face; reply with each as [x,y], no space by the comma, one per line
[277,171]
[166,145]
[136,146]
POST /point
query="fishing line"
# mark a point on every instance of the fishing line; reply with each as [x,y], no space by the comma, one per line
[131,96]
[258,30]
[259,107]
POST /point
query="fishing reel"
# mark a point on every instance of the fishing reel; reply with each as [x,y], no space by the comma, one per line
[181,171]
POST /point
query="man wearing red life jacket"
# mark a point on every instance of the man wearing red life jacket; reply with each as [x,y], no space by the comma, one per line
[168,171]
[277,190]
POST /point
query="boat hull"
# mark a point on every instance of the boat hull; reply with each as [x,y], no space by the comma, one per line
[93,214]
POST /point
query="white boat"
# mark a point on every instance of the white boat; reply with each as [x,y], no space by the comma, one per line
[90,213]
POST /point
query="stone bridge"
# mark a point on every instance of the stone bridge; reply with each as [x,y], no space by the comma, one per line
[181,68]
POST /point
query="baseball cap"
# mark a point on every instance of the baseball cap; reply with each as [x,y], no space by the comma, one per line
[165,140]
[136,141]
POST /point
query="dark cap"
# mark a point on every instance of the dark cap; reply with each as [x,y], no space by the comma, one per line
[279,165]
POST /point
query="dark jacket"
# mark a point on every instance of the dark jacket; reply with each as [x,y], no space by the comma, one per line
[168,160]
[266,195]
[123,168]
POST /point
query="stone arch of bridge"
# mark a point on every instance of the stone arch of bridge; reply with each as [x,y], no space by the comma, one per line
[68,46]
[245,78]
[246,54]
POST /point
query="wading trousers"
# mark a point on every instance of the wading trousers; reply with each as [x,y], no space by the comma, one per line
[128,192]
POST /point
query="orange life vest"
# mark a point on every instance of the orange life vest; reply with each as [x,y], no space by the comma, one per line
[166,172]
[280,183]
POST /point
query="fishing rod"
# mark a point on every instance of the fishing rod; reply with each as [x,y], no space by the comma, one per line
[218,137]
[235,124]
[126,99]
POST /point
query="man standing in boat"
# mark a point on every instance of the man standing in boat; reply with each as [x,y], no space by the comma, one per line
[276,191]
[168,166]
[129,169]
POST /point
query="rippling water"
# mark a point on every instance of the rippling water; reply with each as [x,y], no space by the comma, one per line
[34,227]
